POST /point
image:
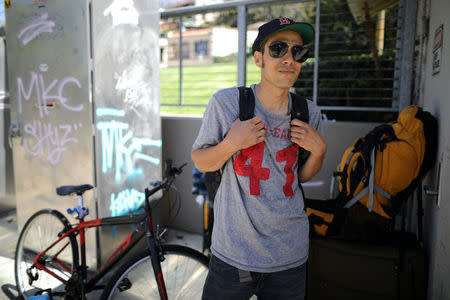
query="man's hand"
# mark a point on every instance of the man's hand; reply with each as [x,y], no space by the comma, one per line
[307,137]
[244,134]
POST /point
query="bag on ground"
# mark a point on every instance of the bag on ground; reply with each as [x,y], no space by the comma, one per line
[376,176]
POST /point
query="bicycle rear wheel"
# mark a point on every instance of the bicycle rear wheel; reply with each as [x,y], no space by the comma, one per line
[184,271]
[39,232]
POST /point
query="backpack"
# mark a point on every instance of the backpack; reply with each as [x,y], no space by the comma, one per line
[246,112]
[377,174]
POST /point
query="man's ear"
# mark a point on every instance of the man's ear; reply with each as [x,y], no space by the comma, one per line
[257,58]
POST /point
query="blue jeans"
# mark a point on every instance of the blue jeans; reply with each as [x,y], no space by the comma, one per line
[230,283]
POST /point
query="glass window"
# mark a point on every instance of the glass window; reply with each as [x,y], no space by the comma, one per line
[201,48]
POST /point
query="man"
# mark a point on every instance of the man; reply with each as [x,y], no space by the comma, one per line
[260,236]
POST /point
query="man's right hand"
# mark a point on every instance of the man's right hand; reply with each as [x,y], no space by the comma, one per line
[244,134]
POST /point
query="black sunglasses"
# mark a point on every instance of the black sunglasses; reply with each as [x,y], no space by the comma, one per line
[279,49]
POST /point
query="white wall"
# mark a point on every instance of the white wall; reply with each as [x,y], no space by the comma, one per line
[224,40]
[434,94]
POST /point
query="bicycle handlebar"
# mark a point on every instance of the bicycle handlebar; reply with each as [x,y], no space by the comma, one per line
[169,175]
[173,171]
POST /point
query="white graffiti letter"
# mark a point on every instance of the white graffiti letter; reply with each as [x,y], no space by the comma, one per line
[44,93]
[21,90]
[35,28]
[62,99]
[127,202]
[123,12]
[45,138]
[120,146]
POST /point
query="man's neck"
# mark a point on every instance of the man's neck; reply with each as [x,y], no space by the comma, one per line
[274,100]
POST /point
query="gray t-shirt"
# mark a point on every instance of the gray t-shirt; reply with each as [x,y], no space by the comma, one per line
[260,224]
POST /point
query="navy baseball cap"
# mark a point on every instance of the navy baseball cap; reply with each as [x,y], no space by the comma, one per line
[305,30]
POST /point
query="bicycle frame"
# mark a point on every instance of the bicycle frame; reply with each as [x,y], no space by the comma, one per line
[143,220]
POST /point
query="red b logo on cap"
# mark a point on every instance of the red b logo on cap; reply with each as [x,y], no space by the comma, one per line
[284,21]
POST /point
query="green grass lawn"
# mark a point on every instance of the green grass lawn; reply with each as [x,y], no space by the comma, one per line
[199,84]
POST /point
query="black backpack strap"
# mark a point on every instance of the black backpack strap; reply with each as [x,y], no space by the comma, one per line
[212,182]
[246,112]
[246,103]
[420,213]
[300,111]
[299,108]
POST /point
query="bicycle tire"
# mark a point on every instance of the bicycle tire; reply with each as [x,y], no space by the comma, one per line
[39,232]
[184,271]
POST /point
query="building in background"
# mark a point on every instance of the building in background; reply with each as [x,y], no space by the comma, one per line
[201,45]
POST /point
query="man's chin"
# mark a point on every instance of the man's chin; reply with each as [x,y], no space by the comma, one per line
[286,84]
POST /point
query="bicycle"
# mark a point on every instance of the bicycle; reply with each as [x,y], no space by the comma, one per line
[49,263]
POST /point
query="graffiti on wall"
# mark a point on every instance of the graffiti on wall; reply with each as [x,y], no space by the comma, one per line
[48,140]
[126,202]
[120,148]
[35,28]
[42,137]
[121,151]
[122,12]
[136,91]
[44,93]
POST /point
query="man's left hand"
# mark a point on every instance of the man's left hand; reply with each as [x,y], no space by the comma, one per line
[308,138]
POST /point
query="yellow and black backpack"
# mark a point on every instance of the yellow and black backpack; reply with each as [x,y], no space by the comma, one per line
[376,176]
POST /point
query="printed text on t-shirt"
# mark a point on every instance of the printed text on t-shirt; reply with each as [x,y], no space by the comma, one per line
[280,133]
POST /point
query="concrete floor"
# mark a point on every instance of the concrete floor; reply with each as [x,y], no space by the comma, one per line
[8,240]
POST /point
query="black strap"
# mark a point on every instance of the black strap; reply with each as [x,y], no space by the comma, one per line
[419,214]
[246,103]
[212,183]
[299,108]
[300,111]
[317,220]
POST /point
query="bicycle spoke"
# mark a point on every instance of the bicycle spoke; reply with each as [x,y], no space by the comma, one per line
[184,277]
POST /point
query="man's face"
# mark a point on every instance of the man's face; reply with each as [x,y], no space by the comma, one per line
[279,72]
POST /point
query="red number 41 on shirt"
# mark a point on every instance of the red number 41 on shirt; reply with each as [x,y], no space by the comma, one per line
[256,172]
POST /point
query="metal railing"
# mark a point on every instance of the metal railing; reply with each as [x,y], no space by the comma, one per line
[345,74]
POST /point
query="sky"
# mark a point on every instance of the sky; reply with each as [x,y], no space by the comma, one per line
[2,10]
[164,3]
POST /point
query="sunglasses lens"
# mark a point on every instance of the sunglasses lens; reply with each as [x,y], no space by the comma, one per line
[300,53]
[278,49]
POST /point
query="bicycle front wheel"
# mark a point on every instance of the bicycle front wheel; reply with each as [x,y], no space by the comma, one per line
[184,271]
[40,232]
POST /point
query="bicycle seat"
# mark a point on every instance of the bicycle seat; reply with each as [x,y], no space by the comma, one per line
[69,189]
